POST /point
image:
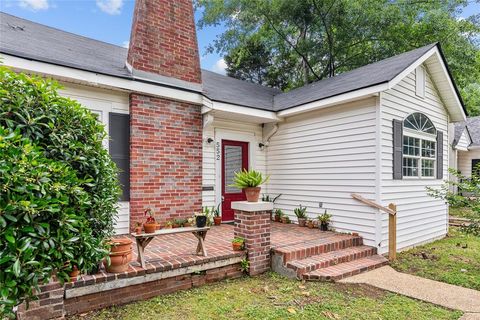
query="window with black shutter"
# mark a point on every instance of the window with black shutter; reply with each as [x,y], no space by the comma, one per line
[119,148]
[476,167]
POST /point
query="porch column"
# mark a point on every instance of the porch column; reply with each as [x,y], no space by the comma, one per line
[252,222]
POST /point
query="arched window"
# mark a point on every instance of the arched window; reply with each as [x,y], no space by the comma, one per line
[419,146]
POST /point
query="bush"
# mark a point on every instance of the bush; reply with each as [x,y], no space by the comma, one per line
[469,197]
[59,186]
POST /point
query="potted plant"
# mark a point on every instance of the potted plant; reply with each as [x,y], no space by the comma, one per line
[238,244]
[310,224]
[177,223]
[301,214]
[138,227]
[201,217]
[217,220]
[150,225]
[74,273]
[189,222]
[249,181]
[168,225]
[286,219]
[278,215]
[324,220]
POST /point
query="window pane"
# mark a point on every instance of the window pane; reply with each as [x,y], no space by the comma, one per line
[428,149]
[428,167]
[411,146]
[410,167]
[420,122]
[233,163]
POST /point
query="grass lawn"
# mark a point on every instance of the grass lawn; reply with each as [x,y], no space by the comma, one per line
[460,212]
[271,296]
[454,259]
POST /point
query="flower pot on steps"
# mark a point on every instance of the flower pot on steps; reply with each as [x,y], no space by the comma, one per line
[252,194]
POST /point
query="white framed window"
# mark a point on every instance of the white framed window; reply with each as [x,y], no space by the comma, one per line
[419,147]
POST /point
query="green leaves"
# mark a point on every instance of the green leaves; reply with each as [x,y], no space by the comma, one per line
[248,179]
[58,187]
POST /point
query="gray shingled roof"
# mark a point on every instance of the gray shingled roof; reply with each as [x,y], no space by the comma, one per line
[27,39]
[473,125]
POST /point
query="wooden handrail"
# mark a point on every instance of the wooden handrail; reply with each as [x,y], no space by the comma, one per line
[373,204]
[392,223]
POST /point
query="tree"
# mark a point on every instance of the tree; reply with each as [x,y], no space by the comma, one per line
[58,187]
[316,39]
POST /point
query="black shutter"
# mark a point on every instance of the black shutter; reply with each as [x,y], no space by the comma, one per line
[439,154]
[476,167]
[397,149]
[119,132]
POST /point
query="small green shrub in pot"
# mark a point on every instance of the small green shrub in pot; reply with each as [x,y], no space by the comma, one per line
[278,215]
[301,213]
[249,181]
[238,244]
[324,220]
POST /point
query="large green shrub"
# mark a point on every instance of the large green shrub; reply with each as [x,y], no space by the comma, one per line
[58,200]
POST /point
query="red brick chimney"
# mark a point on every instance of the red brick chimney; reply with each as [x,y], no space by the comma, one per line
[165,134]
[163,39]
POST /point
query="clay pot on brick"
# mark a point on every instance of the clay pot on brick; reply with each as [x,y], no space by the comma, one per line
[149,227]
[302,222]
[252,194]
[238,244]
[217,221]
[74,273]
[310,224]
[120,245]
[119,261]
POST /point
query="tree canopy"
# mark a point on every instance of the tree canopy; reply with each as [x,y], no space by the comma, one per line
[286,43]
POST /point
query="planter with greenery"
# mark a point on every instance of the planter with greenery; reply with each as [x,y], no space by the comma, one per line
[59,187]
[201,218]
[310,224]
[138,227]
[238,244]
[324,220]
[301,213]
[286,219]
[217,219]
[168,225]
[278,215]
[249,181]
[150,224]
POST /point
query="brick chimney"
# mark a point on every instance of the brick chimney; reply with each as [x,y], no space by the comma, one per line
[163,39]
[165,134]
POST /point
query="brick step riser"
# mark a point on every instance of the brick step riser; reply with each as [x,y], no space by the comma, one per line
[344,275]
[332,262]
[313,250]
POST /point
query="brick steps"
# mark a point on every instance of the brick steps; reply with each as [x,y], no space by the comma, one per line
[328,259]
[307,249]
[347,269]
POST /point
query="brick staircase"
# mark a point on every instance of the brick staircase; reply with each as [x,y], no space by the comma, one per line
[331,257]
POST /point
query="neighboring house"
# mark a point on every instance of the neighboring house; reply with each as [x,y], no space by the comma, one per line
[179,132]
[466,146]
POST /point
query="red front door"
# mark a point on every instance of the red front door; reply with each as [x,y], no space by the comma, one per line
[234,158]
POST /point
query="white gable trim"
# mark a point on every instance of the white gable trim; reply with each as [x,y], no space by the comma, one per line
[99,80]
[448,93]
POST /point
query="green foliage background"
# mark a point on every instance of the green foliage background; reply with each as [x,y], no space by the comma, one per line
[58,187]
[286,44]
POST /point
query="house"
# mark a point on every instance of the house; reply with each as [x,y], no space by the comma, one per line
[179,132]
[466,146]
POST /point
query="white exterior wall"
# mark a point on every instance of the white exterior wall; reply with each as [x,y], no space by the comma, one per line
[463,142]
[465,161]
[421,218]
[102,102]
[227,130]
[324,156]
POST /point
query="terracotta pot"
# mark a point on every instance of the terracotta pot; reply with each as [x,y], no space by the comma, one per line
[302,222]
[168,227]
[217,221]
[278,219]
[284,219]
[237,246]
[120,245]
[149,227]
[310,225]
[158,226]
[119,261]
[252,194]
[138,230]
[74,274]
